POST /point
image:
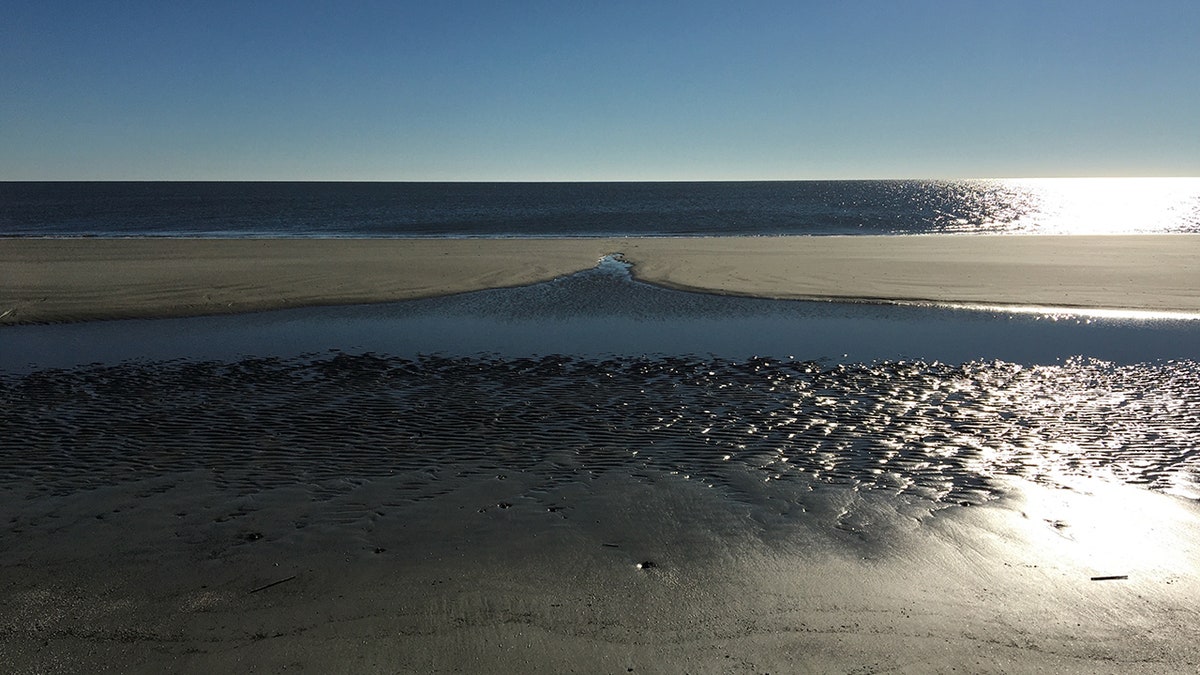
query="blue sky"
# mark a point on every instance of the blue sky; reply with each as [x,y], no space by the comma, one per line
[602,90]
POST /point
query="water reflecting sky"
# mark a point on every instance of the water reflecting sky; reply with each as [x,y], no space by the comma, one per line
[603,312]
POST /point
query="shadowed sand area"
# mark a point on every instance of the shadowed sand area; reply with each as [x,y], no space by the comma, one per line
[81,279]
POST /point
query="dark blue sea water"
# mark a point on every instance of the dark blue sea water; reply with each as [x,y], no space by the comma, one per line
[1046,206]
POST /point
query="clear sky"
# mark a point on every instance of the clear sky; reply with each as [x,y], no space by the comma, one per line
[597,90]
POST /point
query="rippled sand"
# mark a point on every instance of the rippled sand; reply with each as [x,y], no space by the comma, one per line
[552,513]
[937,431]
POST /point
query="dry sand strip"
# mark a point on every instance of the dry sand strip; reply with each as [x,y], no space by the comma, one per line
[1144,272]
[45,280]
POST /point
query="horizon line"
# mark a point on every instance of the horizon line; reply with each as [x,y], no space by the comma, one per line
[586,180]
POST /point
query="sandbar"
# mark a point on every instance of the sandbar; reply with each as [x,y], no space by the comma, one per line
[54,280]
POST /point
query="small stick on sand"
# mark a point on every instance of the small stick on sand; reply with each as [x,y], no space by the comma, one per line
[1111,577]
[273,583]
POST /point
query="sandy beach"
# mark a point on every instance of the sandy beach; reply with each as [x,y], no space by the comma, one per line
[49,280]
[364,513]
[174,575]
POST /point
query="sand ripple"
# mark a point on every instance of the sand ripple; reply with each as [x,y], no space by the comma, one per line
[941,432]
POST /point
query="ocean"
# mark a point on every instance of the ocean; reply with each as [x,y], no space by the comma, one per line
[890,207]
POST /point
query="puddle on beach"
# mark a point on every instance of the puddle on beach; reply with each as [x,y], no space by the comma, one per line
[604,313]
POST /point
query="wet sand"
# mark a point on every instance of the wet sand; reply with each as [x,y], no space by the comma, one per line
[174,575]
[44,280]
[364,514]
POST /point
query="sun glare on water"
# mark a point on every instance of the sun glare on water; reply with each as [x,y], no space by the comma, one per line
[1109,205]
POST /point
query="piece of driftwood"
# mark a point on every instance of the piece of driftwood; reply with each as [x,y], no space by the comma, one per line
[273,583]
[1111,577]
